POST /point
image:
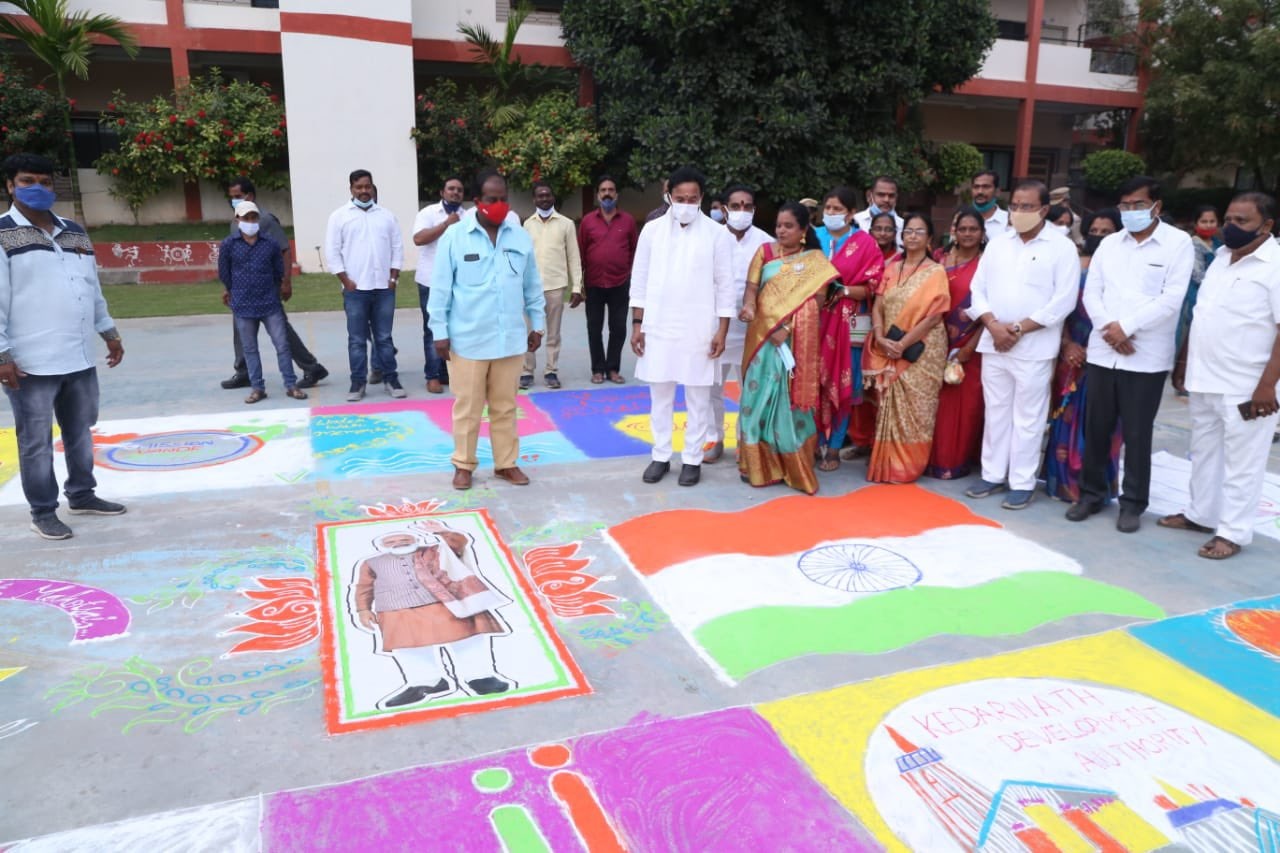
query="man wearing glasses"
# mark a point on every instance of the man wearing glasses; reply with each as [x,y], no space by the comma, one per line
[1026,284]
[1134,292]
[484,287]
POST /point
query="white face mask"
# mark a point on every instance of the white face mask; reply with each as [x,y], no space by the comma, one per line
[833,221]
[740,220]
[685,213]
[545,214]
[249,229]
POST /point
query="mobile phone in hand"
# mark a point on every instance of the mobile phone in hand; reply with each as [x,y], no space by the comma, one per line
[1246,410]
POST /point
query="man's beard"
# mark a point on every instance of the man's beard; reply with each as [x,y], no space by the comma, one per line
[402,550]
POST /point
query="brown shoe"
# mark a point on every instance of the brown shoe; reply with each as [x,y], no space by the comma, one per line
[435,386]
[512,475]
[461,479]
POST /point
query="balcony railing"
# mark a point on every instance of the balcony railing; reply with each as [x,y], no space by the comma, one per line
[1096,36]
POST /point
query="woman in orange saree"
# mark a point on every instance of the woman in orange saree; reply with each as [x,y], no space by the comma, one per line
[914,297]
[786,284]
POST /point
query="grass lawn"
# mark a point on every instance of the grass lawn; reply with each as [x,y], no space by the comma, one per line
[311,292]
[164,231]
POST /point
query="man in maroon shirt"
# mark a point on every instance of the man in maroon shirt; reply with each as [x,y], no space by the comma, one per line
[607,240]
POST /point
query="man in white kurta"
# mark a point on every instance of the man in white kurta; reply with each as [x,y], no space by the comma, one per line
[682,300]
[740,204]
[1233,376]
[1026,284]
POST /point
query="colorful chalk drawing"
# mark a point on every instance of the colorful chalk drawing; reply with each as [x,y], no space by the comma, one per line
[334,508]
[1170,493]
[407,508]
[556,531]
[285,616]
[1238,646]
[175,451]
[193,695]
[10,671]
[494,646]
[8,454]
[636,622]
[230,827]
[864,573]
[225,572]
[558,574]
[95,613]
[1090,744]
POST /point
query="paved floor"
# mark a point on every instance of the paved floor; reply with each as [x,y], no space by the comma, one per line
[208,683]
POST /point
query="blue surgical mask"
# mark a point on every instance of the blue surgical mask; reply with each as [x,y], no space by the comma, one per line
[874,210]
[36,196]
[363,205]
[717,215]
[833,221]
[1136,221]
[451,206]
[236,202]
[608,204]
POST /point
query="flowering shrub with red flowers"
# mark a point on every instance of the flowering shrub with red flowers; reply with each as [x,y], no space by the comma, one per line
[211,129]
[30,120]
[554,141]
[452,132]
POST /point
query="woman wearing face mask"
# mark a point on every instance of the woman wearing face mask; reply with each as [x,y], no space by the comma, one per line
[786,284]
[957,442]
[1061,217]
[1205,239]
[1064,454]
[846,322]
[907,355]
[885,232]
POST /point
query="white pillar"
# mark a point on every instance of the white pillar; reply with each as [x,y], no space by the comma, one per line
[348,89]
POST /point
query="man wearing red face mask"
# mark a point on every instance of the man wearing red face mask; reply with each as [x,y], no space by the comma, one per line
[484,286]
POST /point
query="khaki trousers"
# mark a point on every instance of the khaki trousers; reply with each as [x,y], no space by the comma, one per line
[475,383]
[555,312]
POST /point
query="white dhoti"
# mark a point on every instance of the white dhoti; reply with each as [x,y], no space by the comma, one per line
[1228,465]
[1015,394]
[697,427]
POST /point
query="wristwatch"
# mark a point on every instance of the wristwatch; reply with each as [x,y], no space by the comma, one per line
[1017,330]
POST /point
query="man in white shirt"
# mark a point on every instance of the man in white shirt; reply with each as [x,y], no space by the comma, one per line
[363,248]
[428,227]
[1026,284]
[881,198]
[682,299]
[1137,279]
[740,211]
[982,190]
[1233,374]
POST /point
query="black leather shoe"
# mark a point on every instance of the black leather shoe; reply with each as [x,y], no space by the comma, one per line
[1129,521]
[690,475]
[237,380]
[416,693]
[489,684]
[656,471]
[1080,510]
[311,377]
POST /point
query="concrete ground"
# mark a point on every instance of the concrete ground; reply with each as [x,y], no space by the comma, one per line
[98,731]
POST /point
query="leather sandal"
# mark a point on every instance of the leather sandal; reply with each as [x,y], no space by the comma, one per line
[296,393]
[255,396]
[1179,521]
[1209,552]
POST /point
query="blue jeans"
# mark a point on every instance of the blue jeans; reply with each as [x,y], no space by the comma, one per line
[278,331]
[370,313]
[71,398]
[433,365]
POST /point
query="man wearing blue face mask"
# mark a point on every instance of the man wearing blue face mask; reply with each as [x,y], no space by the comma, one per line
[1133,294]
[51,307]
[429,226]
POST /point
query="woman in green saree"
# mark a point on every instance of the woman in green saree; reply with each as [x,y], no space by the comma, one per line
[786,285]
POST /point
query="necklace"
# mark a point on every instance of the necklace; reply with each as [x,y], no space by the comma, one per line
[783,254]
[902,265]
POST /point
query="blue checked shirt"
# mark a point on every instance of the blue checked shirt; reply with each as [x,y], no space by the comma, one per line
[252,275]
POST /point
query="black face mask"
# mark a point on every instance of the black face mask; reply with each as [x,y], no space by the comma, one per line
[1235,237]
[1092,242]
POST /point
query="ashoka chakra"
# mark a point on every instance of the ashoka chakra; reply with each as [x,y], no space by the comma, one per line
[856,567]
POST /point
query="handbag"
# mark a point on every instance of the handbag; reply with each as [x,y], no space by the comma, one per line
[910,354]
[859,328]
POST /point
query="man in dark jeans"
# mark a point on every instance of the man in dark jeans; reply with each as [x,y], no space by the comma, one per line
[51,309]
[607,243]
[428,227]
[240,191]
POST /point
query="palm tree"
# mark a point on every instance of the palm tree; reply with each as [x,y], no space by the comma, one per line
[512,78]
[64,43]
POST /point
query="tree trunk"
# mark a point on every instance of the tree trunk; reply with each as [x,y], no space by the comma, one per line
[72,169]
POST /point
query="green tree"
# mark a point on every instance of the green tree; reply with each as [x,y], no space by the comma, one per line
[554,141]
[513,81]
[209,129]
[28,115]
[64,42]
[1214,97]
[453,134]
[790,95]
[1105,171]
[956,164]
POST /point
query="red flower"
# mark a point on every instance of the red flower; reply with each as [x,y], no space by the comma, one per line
[120,122]
[275,99]
[431,105]
[115,171]
[276,132]
[191,122]
[168,146]
[173,119]
[201,114]
[111,107]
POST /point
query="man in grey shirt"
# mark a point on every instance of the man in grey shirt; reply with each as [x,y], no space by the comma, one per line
[242,190]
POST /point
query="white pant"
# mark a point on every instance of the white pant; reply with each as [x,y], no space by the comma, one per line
[472,658]
[1015,395]
[1228,465]
[662,403]
[723,369]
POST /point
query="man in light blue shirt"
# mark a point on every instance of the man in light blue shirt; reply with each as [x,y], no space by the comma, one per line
[484,285]
[51,306]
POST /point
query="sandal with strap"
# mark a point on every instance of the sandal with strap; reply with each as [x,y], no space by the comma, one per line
[829,461]
[254,396]
[1179,521]
[296,393]
[1209,550]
